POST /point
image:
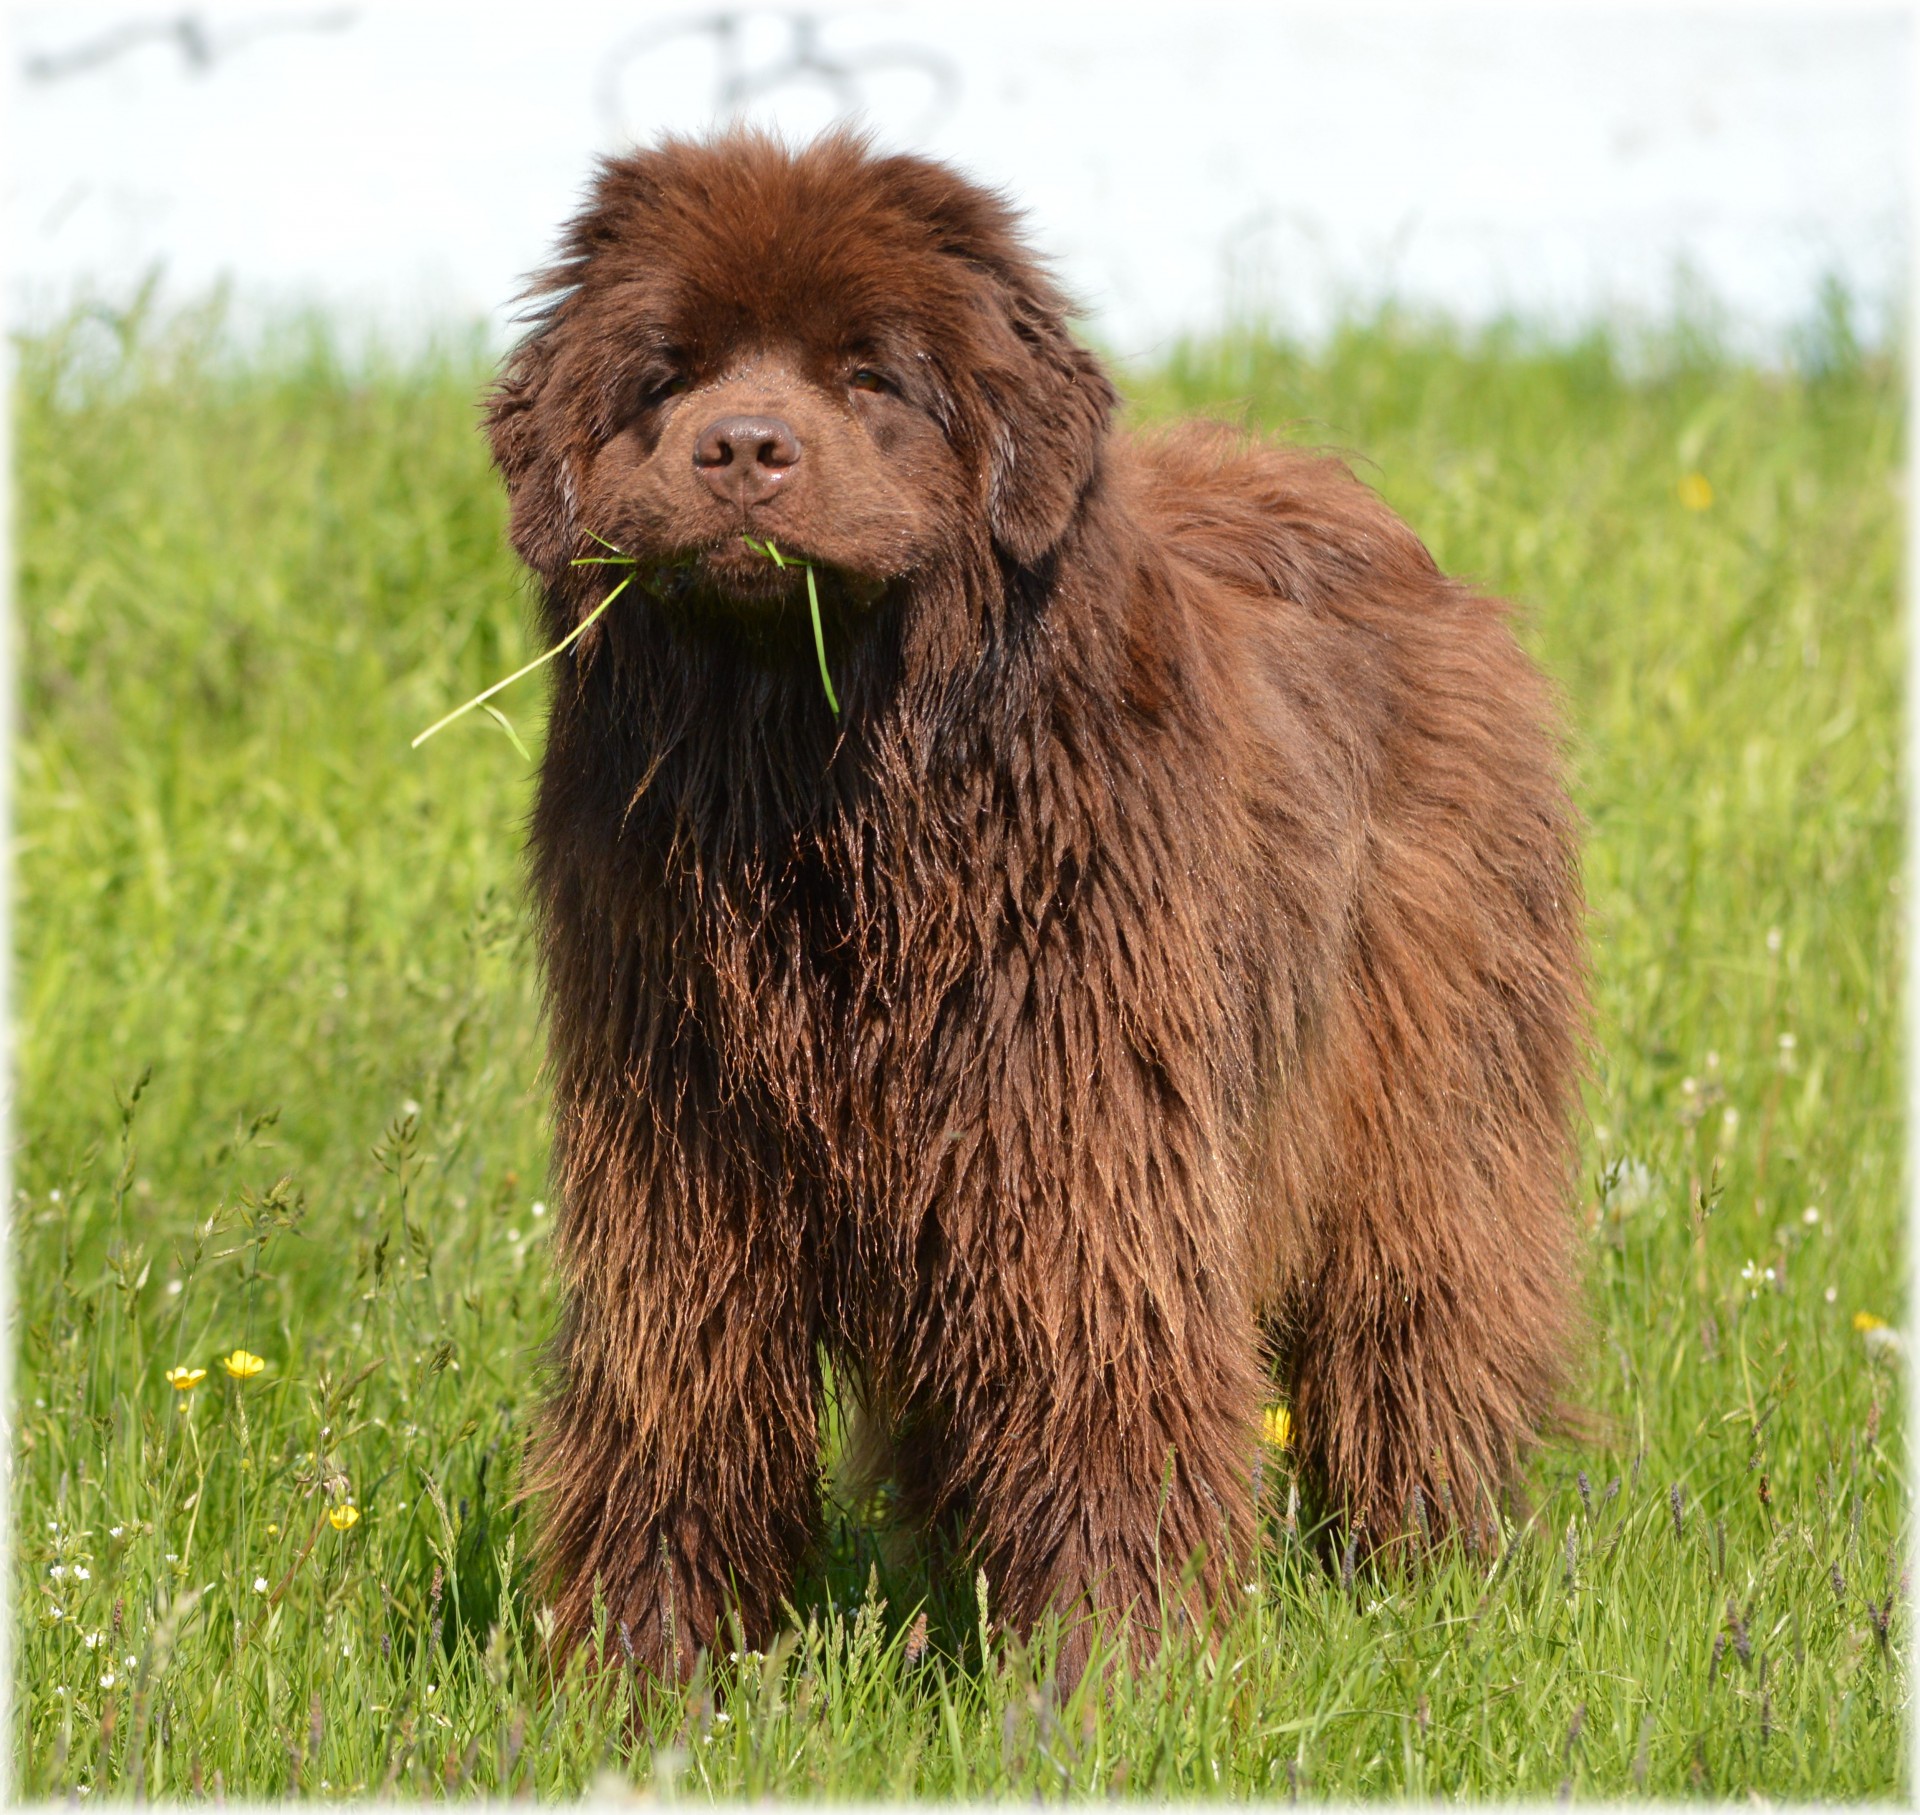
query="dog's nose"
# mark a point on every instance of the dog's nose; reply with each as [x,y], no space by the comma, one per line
[743,459]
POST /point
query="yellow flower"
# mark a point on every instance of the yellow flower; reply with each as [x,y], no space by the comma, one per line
[1863,1321]
[184,1379]
[273,1531]
[1696,492]
[1276,1426]
[341,1518]
[242,1365]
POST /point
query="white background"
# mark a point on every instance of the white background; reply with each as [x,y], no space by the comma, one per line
[407,164]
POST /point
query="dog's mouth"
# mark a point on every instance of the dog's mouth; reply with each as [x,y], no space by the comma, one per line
[755,579]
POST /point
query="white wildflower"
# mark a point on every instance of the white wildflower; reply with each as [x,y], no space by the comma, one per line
[1627,1185]
[1883,1343]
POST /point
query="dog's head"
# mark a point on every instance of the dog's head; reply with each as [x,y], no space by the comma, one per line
[851,356]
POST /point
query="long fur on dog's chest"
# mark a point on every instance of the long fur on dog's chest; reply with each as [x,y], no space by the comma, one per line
[844,948]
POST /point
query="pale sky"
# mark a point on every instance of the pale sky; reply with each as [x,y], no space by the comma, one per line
[406,163]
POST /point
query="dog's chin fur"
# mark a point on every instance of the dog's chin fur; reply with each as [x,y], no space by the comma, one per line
[1164,979]
[728,582]
[757,614]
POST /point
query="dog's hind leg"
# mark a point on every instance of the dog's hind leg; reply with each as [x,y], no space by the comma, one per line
[1427,1336]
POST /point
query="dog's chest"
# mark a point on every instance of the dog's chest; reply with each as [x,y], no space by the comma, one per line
[829,982]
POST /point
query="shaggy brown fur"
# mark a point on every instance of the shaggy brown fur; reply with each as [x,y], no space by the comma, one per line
[1167,969]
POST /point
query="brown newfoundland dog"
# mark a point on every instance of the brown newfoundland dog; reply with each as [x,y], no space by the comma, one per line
[1159,980]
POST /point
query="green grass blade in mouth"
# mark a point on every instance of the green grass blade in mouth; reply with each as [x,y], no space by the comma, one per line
[506,725]
[573,636]
[774,555]
[820,641]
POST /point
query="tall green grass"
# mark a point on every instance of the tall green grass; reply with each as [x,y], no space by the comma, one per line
[279,1088]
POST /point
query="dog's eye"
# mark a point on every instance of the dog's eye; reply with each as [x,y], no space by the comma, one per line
[867,379]
[652,389]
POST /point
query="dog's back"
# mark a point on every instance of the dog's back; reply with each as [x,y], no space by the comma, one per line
[1408,1213]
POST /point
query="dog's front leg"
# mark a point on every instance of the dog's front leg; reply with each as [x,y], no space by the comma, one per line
[677,1468]
[1095,1352]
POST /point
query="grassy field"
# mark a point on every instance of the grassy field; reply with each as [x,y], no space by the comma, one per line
[279,1092]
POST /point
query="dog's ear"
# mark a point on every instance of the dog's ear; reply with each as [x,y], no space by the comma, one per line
[1044,400]
[528,448]
[1048,401]
[548,404]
